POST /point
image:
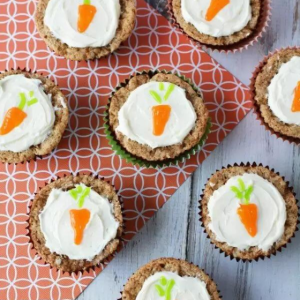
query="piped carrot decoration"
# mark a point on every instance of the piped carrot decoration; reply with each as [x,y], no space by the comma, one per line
[161,113]
[296,102]
[248,212]
[214,8]
[164,288]
[79,220]
[79,217]
[15,116]
[86,14]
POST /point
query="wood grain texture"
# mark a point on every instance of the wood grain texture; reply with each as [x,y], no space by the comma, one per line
[175,230]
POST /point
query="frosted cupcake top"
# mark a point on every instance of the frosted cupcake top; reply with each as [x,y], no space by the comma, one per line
[83,23]
[247,211]
[284,92]
[26,113]
[157,114]
[78,223]
[170,286]
[217,18]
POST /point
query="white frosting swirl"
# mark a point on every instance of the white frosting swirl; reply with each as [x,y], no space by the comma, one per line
[40,117]
[281,91]
[185,288]
[56,226]
[226,224]
[61,17]
[232,18]
[135,116]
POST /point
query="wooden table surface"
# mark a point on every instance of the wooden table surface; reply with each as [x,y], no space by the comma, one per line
[176,232]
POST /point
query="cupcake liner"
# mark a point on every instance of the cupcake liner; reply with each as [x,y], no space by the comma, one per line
[260,257]
[219,292]
[105,260]
[256,107]
[35,157]
[130,158]
[261,28]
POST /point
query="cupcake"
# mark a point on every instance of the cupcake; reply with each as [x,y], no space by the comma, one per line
[170,279]
[218,23]
[85,29]
[249,212]
[33,116]
[156,118]
[75,222]
[276,93]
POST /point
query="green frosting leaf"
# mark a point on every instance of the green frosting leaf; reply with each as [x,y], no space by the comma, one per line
[163,281]
[155,96]
[169,91]
[167,291]
[32,101]
[248,192]
[242,184]
[73,194]
[237,192]
[242,192]
[79,194]
[160,290]
[22,101]
[161,86]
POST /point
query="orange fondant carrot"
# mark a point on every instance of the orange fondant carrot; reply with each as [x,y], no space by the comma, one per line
[161,115]
[13,118]
[296,102]
[15,115]
[248,214]
[86,14]
[215,7]
[79,220]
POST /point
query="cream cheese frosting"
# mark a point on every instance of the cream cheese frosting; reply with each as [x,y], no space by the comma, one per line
[226,224]
[183,288]
[40,119]
[61,17]
[136,119]
[281,91]
[232,18]
[55,224]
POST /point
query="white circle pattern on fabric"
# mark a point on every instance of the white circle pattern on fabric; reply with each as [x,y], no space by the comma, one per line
[136,118]
[226,224]
[62,18]
[232,18]
[281,91]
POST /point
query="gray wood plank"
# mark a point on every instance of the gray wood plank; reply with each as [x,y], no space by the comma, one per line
[175,230]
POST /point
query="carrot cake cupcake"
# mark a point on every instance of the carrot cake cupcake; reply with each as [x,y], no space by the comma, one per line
[217,22]
[170,279]
[157,117]
[85,29]
[33,116]
[249,212]
[277,93]
[76,222]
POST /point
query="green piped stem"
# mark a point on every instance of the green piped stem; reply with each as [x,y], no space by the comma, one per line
[22,101]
